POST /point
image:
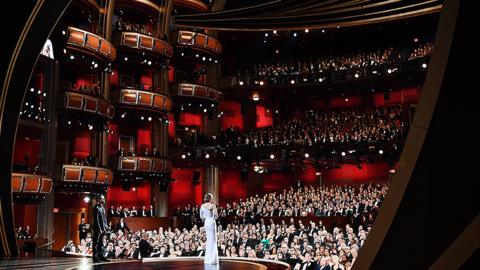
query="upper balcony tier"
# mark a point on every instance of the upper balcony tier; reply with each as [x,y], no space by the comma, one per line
[86,175]
[188,90]
[88,104]
[144,6]
[143,43]
[144,165]
[197,41]
[143,100]
[193,5]
[31,184]
[91,44]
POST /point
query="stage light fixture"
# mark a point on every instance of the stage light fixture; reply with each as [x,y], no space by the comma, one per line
[295,34]
[292,82]
[307,31]
[149,118]
[182,54]
[86,199]
[320,79]
[183,156]
[266,34]
[204,110]
[90,127]
[274,32]
[380,152]
[343,154]
[307,155]
[142,118]
[272,156]
[256,97]
[207,156]
[32,90]
[424,65]
[239,157]
[356,75]
[203,58]
[389,71]
[261,82]
[346,99]
[196,55]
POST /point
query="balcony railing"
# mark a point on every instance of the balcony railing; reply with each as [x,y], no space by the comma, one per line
[197,41]
[145,43]
[195,5]
[34,184]
[88,104]
[144,164]
[143,100]
[86,175]
[196,91]
[90,43]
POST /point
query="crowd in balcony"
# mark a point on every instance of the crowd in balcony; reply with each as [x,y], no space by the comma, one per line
[315,127]
[91,90]
[292,242]
[120,211]
[145,153]
[121,24]
[302,202]
[345,66]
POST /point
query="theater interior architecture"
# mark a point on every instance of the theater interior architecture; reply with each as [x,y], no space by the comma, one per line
[254,134]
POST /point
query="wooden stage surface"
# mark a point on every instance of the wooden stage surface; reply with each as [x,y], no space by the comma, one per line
[182,263]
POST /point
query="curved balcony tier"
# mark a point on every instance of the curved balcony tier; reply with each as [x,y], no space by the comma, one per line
[86,175]
[140,5]
[31,184]
[88,104]
[89,43]
[197,41]
[188,90]
[143,100]
[144,43]
[194,5]
[144,165]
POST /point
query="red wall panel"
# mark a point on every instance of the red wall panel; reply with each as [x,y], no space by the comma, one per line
[264,117]
[144,140]
[30,148]
[171,125]
[190,119]
[113,139]
[345,102]
[232,114]
[232,187]
[138,197]
[409,95]
[26,214]
[82,144]
[171,73]
[183,191]
[114,79]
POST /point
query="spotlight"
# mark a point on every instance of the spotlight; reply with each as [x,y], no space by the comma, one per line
[96,65]
[183,156]
[64,51]
[239,157]
[204,110]
[343,154]
[149,118]
[320,79]
[346,100]
[277,51]
[256,97]
[196,55]
[272,156]
[186,128]
[203,58]
[374,72]
[123,115]
[266,34]
[72,57]
[32,90]
[86,199]
[63,32]
[149,63]
[69,122]
[389,71]
[216,61]
[90,127]
[261,82]
[265,41]
[415,40]
[323,30]
[182,54]
[306,30]
[356,75]
[424,65]
[207,156]
[295,34]
[292,82]
[210,59]
[142,118]
[380,152]
[307,155]
[274,32]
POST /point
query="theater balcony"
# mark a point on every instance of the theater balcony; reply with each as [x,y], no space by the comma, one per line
[90,44]
[141,103]
[143,44]
[135,167]
[85,178]
[30,188]
[188,91]
[197,42]
[197,6]
[79,106]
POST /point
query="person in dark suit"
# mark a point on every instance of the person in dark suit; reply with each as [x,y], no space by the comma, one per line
[323,264]
[122,226]
[308,263]
[82,229]
[143,212]
[111,212]
[145,247]
[151,212]
[100,228]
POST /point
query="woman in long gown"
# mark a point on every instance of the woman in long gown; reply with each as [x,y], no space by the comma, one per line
[208,213]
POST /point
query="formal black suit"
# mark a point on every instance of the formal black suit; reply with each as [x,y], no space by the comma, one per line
[122,227]
[82,231]
[100,227]
[145,248]
[308,266]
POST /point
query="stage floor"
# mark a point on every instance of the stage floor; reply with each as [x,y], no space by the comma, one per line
[182,263]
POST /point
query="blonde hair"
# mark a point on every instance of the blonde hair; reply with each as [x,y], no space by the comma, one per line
[208,197]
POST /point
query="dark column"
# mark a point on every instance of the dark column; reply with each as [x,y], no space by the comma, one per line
[47,156]
[212,181]
[105,22]
[160,200]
